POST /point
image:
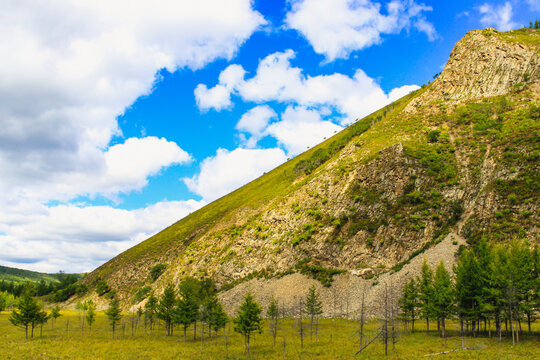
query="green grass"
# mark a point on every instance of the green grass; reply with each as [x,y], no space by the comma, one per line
[336,339]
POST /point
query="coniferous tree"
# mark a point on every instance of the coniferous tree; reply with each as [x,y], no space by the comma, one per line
[218,318]
[313,307]
[90,313]
[273,314]
[409,302]
[469,288]
[187,309]
[55,313]
[248,319]
[3,302]
[150,309]
[193,288]
[443,296]
[27,313]
[425,291]
[166,308]
[114,314]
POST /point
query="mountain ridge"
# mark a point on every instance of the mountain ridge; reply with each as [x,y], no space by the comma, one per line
[432,168]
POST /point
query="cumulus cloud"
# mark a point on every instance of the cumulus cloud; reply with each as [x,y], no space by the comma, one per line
[68,237]
[70,68]
[498,16]
[218,97]
[228,170]
[277,80]
[335,28]
[254,122]
[301,128]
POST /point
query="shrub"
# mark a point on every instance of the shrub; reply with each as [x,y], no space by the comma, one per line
[102,288]
[157,270]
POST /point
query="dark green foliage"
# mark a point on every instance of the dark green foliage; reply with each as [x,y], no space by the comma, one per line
[438,160]
[319,157]
[141,294]
[409,302]
[187,310]
[213,314]
[102,288]
[307,231]
[534,25]
[156,271]
[28,313]
[273,314]
[443,296]
[150,309]
[433,136]
[166,308]
[425,292]
[114,314]
[248,319]
[315,270]
[312,307]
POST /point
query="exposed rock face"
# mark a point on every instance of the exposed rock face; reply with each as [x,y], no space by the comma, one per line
[483,64]
[423,179]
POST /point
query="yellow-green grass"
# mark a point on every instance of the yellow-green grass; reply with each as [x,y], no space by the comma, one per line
[336,339]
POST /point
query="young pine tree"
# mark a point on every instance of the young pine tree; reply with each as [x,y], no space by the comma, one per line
[218,318]
[27,314]
[443,296]
[248,319]
[313,307]
[167,307]
[55,313]
[187,310]
[90,313]
[114,314]
[425,291]
[409,302]
[273,314]
[150,310]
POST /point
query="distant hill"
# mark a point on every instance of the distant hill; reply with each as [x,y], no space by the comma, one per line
[20,275]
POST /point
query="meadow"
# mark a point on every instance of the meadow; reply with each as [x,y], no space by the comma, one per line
[336,339]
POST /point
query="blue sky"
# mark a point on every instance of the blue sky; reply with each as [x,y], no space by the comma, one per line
[118,123]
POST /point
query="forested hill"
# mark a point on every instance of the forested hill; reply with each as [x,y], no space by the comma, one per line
[453,163]
[10,274]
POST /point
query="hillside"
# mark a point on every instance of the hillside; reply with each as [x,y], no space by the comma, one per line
[20,276]
[444,166]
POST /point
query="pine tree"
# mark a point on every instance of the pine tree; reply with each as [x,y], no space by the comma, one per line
[150,309]
[469,287]
[90,313]
[273,313]
[55,313]
[248,319]
[313,307]
[409,302]
[425,290]
[166,308]
[114,314]
[443,296]
[27,313]
[187,309]
[218,318]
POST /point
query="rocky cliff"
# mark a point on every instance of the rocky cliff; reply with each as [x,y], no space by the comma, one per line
[451,163]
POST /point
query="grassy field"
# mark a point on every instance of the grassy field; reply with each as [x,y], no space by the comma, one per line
[337,339]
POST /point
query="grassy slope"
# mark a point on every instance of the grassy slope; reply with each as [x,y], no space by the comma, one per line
[270,186]
[20,275]
[336,339]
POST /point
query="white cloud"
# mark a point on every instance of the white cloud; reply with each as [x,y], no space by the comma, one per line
[335,28]
[277,80]
[301,128]
[218,97]
[78,239]
[534,4]
[254,122]
[229,170]
[498,16]
[69,68]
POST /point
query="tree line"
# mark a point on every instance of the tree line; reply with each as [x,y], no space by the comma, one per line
[490,284]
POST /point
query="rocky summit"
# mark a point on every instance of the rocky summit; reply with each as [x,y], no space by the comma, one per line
[441,168]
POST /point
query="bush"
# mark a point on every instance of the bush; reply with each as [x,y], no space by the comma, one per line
[433,136]
[141,294]
[156,271]
[315,270]
[102,288]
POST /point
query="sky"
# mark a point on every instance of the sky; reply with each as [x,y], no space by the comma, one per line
[120,117]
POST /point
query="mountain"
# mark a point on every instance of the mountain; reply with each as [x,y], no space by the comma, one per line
[20,276]
[442,167]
